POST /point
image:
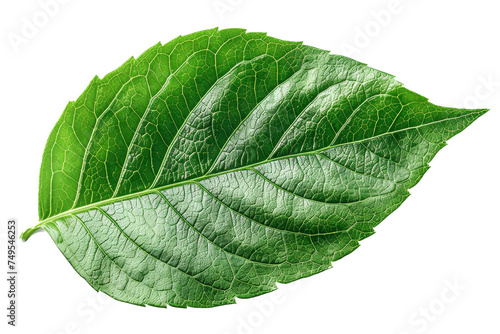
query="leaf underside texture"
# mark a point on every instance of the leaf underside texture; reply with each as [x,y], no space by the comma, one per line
[223,162]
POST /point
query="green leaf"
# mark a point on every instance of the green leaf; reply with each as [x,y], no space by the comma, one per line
[223,162]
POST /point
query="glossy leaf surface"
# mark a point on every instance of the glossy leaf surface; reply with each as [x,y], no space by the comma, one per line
[223,162]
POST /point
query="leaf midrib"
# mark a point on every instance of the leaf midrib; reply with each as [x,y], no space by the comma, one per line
[203,177]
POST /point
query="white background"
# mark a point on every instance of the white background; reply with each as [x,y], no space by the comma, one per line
[447,232]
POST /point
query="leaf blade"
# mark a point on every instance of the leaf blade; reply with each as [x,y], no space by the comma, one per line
[231,171]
